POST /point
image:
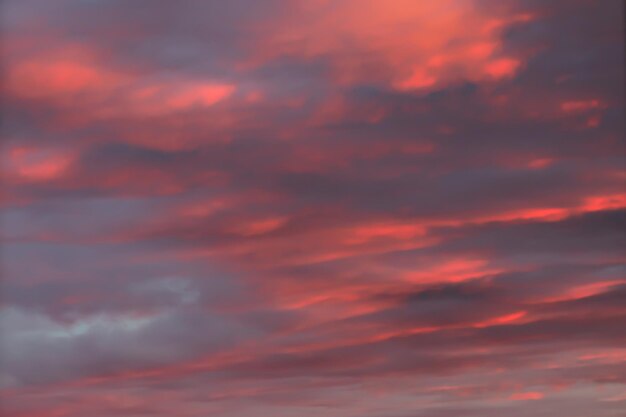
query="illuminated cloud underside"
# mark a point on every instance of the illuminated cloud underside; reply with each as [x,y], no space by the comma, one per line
[303,208]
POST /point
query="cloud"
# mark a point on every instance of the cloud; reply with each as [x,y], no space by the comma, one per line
[313,208]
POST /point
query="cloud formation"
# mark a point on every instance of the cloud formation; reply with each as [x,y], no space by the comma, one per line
[339,208]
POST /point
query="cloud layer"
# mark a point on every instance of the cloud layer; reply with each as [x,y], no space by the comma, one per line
[339,208]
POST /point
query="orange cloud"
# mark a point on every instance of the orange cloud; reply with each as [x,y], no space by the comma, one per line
[65,71]
[416,45]
[32,164]
[73,77]
[500,68]
[580,105]
[174,96]
[527,396]
[506,319]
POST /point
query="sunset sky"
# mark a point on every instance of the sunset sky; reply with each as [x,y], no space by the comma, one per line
[313,208]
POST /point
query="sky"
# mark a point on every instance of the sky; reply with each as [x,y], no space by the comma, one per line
[313,208]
